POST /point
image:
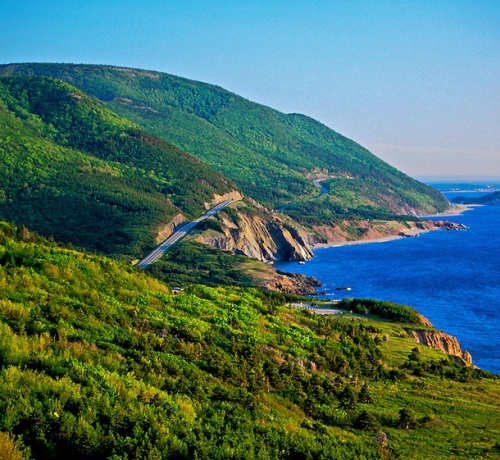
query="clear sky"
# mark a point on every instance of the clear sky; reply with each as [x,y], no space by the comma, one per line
[415,81]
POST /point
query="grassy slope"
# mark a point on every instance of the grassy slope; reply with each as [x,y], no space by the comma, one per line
[71,168]
[100,361]
[266,152]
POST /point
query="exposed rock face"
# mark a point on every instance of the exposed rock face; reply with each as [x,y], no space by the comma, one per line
[444,342]
[293,283]
[168,229]
[448,225]
[260,235]
[233,195]
[366,230]
[424,320]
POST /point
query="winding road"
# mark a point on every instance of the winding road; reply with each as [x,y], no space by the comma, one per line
[180,233]
[317,183]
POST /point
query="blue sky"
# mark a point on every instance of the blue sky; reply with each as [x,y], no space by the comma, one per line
[417,82]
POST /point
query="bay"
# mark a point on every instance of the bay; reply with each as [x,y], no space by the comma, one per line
[451,277]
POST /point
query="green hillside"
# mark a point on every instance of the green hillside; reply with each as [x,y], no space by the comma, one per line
[270,155]
[98,360]
[71,168]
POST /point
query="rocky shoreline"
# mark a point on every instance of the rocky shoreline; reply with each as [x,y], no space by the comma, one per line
[394,230]
[267,237]
[292,283]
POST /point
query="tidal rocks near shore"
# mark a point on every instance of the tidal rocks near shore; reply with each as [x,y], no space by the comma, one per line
[448,225]
[292,283]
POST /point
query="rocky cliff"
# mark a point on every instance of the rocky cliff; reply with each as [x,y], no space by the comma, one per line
[293,283]
[444,342]
[256,232]
[232,195]
[165,231]
[249,228]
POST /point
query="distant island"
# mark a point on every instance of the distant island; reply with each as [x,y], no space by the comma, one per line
[490,199]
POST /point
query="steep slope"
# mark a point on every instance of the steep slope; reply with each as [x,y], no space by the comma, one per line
[250,229]
[273,157]
[98,360]
[73,169]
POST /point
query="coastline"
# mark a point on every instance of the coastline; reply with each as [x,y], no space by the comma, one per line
[455,210]
[384,239]
[449,313]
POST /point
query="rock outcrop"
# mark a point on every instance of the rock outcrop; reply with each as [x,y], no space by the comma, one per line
[293,283]
[258,233]
[167,230]
[366,230]
[447,225]
[444,342]
[232,195]
[251,229]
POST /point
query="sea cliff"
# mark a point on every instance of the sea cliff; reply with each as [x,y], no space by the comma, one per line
[444,342]
[260,234]
[268,236]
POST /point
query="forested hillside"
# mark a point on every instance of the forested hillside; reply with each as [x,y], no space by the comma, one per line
[71,168]
[98,360]
[272,156]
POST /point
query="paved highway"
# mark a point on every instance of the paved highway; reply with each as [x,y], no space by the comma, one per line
[180,233]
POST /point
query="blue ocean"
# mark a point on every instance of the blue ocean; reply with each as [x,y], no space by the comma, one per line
[451,277]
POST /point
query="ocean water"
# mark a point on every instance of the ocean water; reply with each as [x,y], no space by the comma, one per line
[451,277]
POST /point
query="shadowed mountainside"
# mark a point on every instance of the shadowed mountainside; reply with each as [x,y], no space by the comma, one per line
[492,199]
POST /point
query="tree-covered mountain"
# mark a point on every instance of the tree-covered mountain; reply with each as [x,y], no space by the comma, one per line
[272,156]
[99,360]
[72,168]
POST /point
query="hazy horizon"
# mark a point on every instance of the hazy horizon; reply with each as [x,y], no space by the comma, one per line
[415,83]
[452,178]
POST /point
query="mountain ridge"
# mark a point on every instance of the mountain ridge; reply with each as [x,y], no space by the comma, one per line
[67,161]
[239,137]
[281,156]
